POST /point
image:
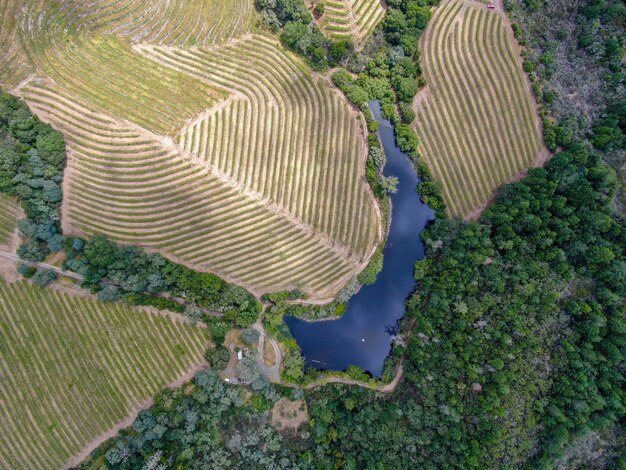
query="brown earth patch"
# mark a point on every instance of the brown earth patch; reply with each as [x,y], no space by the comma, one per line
[288,414]
[269,357]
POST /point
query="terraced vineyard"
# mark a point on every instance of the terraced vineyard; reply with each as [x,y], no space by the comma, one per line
[71,368]
[226,155]
[108,73]
[476,120]
[9,214]
[351,19]
[13,64]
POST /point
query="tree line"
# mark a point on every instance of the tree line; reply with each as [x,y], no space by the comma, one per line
[32,161]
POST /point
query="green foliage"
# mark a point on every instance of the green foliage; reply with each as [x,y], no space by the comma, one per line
[218,357]
[293,367]
[161,303]
[339,51]
[377,157]
[609,132]
[44,277]
[203,425]
[406,112]
[32,158]
[299,32]
[358,95]
[115,271]
[406,139]
[506,314]
[430,190]
[370,273]
[248,368]
[26,270]
[275,297]
[250,336]
[218,329]
[356,373]
[406,88]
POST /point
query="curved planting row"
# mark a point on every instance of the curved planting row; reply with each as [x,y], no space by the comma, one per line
[284,135]
[259,164]
[72,368]
[351,19]
[476,122]
[137,189]
[13,64]
[105,71]
[9,213]
[171,22]
[178,22]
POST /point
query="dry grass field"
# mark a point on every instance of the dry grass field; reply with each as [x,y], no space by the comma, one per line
[200,138]
[350,19]
[71,368]
[476,118]
[9,215]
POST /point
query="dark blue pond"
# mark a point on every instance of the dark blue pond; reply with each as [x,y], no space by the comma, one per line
[362,335]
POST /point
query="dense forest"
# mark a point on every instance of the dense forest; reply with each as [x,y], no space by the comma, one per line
[574,55]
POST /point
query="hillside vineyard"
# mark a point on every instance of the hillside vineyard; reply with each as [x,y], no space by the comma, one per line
[73,368]
[205,140]
[481,131]
[351,19]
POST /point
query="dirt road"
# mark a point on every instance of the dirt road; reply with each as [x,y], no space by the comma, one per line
[271,373]
[14,257]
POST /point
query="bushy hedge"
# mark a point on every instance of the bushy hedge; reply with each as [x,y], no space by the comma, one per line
[32,159]
[114,271]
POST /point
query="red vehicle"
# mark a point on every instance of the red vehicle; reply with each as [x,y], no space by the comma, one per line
[491,6]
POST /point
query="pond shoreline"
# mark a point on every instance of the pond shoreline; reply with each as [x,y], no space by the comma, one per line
[362,335]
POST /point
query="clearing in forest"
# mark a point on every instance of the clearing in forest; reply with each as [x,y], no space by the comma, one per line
[71,368]
[476,119]
[190,133]
[350,19]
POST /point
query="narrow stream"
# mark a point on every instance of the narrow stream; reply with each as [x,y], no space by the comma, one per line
[362,335]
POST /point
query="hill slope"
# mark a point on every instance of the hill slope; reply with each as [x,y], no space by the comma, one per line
[71,368]
[350,19]
[258,162]
[476,119]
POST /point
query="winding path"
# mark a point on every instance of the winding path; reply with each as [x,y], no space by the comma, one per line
[272,373]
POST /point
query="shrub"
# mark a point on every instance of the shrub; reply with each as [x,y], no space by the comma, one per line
[377,156]
[370,273]
[109,293]
[218,329]
[44,277]
[218,358]
[406,113]
[250,336]
[27,271]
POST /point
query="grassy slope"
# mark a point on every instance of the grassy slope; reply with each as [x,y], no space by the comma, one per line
[350,19]
[71,368]
[476,119]
[253,184]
